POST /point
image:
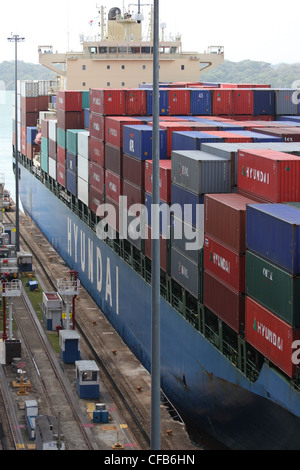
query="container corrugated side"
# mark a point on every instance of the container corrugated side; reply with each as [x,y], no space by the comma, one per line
[185,272]
[134,170]
[284,102]
[97,151]
[271,336]
[273,176]
[263,102]
[179,101]
[114,159]
[137,142]
[201,173]
[187,205]
[222,102]
[163,102]
[113,186]
[273,232]
[135,102]
[225,219]
[243,101]
[114,129]
[69,100]
[165,168]
[225,264]
[273,288]
[186,238]
[224,302]
[108,102]
[200,102]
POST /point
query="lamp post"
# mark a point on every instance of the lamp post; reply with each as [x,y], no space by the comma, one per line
[155,329]
[16,38]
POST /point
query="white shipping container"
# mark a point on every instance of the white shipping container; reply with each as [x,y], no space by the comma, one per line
[29,88]
[53,130]
[83,168]
[52,168]
[46,115]
[83,191]
[83,144]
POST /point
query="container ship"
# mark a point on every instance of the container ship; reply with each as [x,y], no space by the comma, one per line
[230,186]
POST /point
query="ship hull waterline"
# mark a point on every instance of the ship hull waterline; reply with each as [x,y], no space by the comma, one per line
[209,392]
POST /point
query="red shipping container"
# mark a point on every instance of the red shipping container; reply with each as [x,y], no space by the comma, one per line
[225,219]
[163,249]
[45,128]
[134,170]
[113,186]
[29,119]
[229,136]
[135,102]
[43,103]
[256,199]
[272,175]
[114,129]
[52,149]
[97,151]
[134,194]
[96,176]
[225,264]
[31,150]
[23,140]
[97,126]
[108,102]
[114,159]
[179,102]
[271,336]
[61,155]
[224,302]
[165,180]
[96,198]
[68,100]
[171,127]
[61,174]
[69,119]
[288,134]
[222,102]
[29,104]
[243,102]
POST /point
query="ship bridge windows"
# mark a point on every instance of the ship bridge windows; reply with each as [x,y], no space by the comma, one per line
[112,50]
[173,50]
[103,50]
[147,50]
[93,50]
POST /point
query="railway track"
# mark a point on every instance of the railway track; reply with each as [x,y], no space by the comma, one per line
[135,418]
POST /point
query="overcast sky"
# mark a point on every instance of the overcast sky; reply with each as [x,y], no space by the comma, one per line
[258,30]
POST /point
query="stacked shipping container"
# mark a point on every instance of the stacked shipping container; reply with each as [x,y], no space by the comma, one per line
[272,282]
[99,147]
[224,257]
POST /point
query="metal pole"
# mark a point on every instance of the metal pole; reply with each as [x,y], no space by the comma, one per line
[155,353]
[15,38]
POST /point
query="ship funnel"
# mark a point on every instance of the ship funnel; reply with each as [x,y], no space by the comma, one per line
[114,13]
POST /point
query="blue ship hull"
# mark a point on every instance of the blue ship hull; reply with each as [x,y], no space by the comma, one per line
[210,393]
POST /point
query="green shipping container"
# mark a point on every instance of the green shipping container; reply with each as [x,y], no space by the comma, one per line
[61,138]
[273,288]
[44,162]
[44,146]
[85,99]
[72,140]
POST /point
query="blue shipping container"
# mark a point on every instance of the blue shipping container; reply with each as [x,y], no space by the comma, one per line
[164,217]
[191,140]
[190,210]
[163,102]
[137,142]
[86,118]
[71,180]
[273,232]
[31,134]
[257,137]
[71,161]
[263,102]
[200,102]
